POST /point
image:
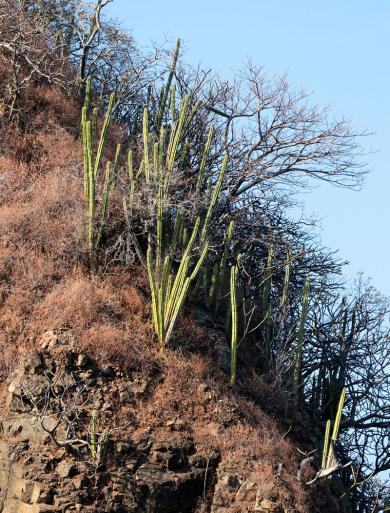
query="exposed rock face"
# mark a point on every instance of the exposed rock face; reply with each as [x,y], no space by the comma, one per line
[149,472]
[50,460]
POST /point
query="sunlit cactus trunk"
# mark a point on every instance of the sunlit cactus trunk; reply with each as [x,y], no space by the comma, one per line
[169,291]
[92,162]
[166,90]
[233,344]
[328,454]
[265,301]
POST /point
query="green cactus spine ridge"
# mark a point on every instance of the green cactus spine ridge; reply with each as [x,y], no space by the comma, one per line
[328,454]
[214,197]
[265,300]
[233,346]
[146,145]
[166,90]
[222,267]
[286,284]
[301,336]
[93,434]
[326,445]
[92,161]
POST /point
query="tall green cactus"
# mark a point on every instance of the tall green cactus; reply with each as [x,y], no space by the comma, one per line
[169,287]
[213,285]
[94,445]
[328,456]
[169,290]
[301,335]
[214,197]
[166,90]
[233,346]
[265,299]
[325,450]
[222,266]
[92,161]
[286,284]
[202,167]
[267,282]
[336,429]
[131,177]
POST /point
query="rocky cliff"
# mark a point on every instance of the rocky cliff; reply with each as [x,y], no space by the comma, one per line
[53,460]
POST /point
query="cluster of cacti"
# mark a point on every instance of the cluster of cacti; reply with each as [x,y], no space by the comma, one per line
[171,244]
[92,162]
[169,291]
[328,456]
[176,242]
[175,239]
[327,382]
[163,149]
[169,287]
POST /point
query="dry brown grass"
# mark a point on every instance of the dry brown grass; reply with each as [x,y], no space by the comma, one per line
[78,302]
[44,281]
[41,211]
[41,237]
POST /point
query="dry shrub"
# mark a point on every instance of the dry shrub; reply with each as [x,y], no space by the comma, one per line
[78,302]
[47,217]
[42,109]
[191,335]
[130,348]
[7,357]
[42,228]
[41,238]
[180,394]
[253,449]
[131,300]
[48,105]
[106,314]
[24,282]
[14,176]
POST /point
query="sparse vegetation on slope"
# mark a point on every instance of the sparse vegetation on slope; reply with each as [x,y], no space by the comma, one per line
[144,210]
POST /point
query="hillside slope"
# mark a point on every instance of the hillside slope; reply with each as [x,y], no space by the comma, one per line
[171,339]
[179,438]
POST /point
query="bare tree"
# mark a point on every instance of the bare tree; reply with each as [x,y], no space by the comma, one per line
[27,52]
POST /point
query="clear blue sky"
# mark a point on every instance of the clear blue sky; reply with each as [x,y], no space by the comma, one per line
[339,49]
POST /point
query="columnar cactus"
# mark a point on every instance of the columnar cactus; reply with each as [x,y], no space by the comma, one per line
[328,456]
[92,162]
[169,291]
[301,335]
[233,346]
